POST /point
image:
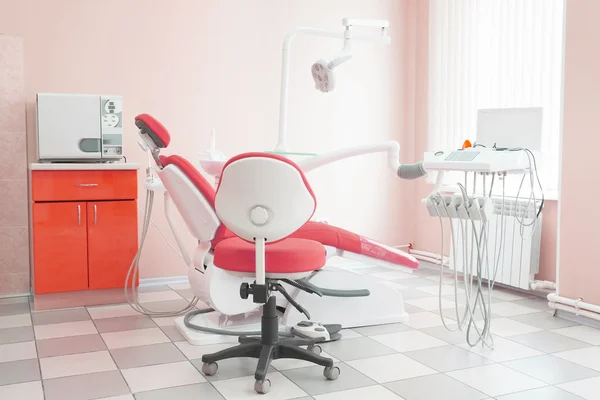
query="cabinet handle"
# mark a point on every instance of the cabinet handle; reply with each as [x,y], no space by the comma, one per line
[79,214]
[86,185]
[95,214]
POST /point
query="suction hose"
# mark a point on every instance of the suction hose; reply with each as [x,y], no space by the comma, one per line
[411,171]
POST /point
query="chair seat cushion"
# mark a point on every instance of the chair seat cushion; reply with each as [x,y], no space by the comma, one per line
[288,256]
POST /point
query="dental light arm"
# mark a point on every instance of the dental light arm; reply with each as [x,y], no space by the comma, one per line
[404,171]
[346,35]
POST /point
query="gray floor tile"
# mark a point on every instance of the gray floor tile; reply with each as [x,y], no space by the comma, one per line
[203,391]
[355,349]
[412,309]
[231,368]
[549,342]
[545,393]
[19,371]
[86,387]
[153,288]
[537,303]
[462,298]
[426,272]
[187,294]
[544,320]
[381,329]
[433,387]
[551,369]
[440,332]
[14,309]
[447,358]
[172,333]
[16,335]
[60,316]
[130,323]
[312,381]
[70,345]
[373,270]
[141,356]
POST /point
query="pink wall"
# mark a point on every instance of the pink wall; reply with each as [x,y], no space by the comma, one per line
[14,229]
[202,64]
[579,271]
[428,235]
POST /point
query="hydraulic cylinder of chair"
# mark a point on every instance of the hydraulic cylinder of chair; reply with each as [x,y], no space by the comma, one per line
[269,322]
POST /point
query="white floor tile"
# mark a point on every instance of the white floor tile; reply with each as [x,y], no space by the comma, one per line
[506,296]
[76,364]
[588,389]
[372,392]
[165,295]
[588,357]
[17,351]
[243,388]
[430,303]
[284,364]
[22,391]
[506,327]
[447,290]
[162,376]
[508,309]
[65,329]
[138,337]
[504,350]
[124,397]
[425,320]
[581,332]
[495,380]
[408,341]
[121,310]
[15,321]
[195,352]
[390,368]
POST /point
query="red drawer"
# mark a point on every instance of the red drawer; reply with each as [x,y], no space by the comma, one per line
[83,185]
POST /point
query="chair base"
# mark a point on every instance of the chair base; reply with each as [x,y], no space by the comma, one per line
[268,347]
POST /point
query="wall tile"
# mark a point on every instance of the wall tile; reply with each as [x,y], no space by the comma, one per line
[12,94]
[13,147]
[14,250]
[13,203]
[14,284]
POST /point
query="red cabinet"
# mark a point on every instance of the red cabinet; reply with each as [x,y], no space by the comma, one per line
[60,247]
[89,244]
[112,241]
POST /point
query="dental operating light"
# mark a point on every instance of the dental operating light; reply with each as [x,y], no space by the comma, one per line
[323,70]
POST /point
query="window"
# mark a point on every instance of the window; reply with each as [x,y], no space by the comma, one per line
[495,54]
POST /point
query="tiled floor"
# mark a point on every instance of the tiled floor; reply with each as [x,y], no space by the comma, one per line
[111,352]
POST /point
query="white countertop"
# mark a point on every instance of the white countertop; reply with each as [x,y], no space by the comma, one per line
[83,166]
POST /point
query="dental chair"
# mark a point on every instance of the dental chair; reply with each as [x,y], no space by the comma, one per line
[264,199]
[350,299]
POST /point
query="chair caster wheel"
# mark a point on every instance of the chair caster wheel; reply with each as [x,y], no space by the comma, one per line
[315,348]
[331,373]
[210,369]
[262,387]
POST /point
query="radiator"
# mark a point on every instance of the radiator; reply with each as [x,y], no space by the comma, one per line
[517,259]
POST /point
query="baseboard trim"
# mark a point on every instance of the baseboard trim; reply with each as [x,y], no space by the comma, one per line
[170,280]
[11,296]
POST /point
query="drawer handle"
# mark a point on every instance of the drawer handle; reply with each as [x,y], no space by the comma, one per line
[95,215]
[86,185]
[78,214]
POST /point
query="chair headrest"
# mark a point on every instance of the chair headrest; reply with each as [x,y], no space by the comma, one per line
[150,126]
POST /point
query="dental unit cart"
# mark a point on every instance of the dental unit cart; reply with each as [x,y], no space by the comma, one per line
[485,247]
